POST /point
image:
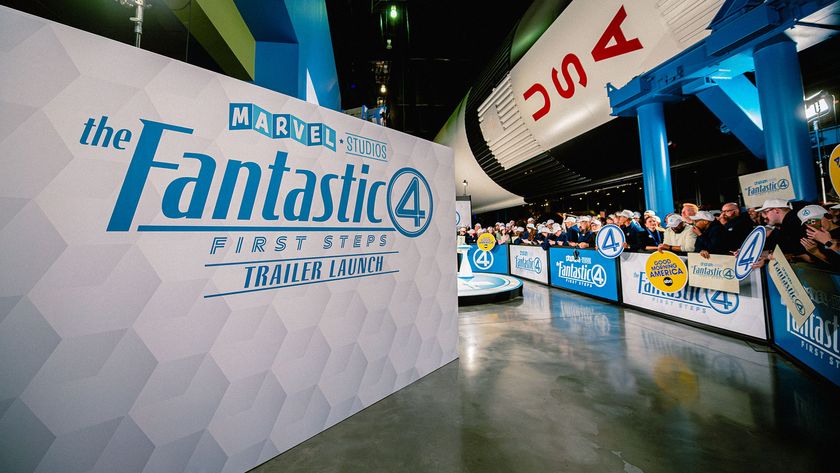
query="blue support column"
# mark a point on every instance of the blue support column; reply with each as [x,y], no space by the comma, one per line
[656,165]
[780,94]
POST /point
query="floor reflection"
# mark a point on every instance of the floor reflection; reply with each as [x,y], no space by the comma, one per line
[555,381]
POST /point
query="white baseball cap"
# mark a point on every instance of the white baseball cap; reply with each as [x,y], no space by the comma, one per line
[595,221]
[549,222]
[570,218]
[585,218]
[809,212]
[773,204]
[636,215]
[703,215]
[542,229]
[835,207]
[649,212]
[530,225]
[673,221]
[625,213]
[556,228]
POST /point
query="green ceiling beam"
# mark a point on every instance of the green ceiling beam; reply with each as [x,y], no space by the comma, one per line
[220,29]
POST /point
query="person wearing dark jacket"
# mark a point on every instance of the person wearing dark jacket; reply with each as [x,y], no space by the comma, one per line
[572,230]
[736,227]
[648,239]
[709,231]
[787,229]
[822,234]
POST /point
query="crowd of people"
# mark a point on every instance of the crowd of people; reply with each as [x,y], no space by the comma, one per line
[805,232]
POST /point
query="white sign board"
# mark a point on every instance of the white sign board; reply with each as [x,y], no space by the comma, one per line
[198,273]
[716,272]
[463,213]
[741,313]
[794,296]
[529,262]
[771,184]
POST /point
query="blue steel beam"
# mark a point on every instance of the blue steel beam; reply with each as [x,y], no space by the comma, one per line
[783,114]
[735,102]
[713,69]
[726,51]
[656,164]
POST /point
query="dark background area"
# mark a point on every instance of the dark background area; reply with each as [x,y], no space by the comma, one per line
[439,50]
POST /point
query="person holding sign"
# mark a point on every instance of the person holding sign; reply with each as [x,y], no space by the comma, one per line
[678,235]
[590,227]
[822,234]
[558,236]
[648,239]
[787,231]
[709,230]
[736,227]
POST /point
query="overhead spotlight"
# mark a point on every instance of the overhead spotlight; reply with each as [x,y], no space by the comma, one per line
[393,12]
[388,44]
[383,90]
[137,19]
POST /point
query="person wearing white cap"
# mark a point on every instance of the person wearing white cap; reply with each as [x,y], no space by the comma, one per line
[558,236]
[650,239]
[586,239]
[528,238]
[708,234]
[634,222]
[823,241]
[834,210]
[516,239]
[628,226]
[542,238]
[572,230]
[678,235]
[648,212]
[595,226]
[787,230]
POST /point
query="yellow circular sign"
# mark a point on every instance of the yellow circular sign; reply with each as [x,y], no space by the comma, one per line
[486,242]
[666,271]
[834,169]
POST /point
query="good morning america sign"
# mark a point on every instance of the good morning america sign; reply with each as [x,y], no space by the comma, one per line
[228,266]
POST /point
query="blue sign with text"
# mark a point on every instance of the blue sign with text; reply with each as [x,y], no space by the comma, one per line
[493,261]
[585,271]
[815,343]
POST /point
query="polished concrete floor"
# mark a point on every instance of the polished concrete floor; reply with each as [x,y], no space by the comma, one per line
[556,382]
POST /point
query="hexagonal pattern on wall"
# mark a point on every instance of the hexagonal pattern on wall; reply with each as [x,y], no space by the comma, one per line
[119,350]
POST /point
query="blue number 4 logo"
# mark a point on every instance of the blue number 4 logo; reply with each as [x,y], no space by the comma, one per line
[411,196]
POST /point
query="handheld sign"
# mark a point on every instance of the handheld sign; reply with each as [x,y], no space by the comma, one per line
[749,252]
[610,241]
[666,271]
[834,169]
[486,242]
[483,259]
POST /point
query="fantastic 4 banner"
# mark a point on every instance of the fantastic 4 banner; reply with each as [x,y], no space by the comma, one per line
[741,313]
[198,273]
[584,271]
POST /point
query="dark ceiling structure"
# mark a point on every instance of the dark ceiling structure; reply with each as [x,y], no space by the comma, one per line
[430,53]
[437,51]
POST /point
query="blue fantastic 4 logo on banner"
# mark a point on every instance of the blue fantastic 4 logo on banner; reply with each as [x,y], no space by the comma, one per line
[493,261]
[610,241]
[349,201]
[584,271]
